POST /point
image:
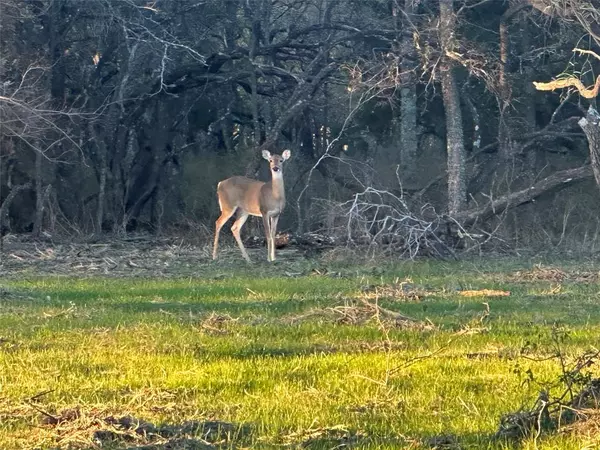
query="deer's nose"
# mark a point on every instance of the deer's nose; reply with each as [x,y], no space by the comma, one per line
[275,169]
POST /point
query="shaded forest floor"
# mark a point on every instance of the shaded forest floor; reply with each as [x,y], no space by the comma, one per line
[151,345]
[134,256]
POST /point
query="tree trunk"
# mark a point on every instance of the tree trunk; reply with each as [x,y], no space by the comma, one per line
[4,209]
[102,185]
[408,94]
[253,12]
[122,165]
[505,92]
[457,185]
[509,116]
[254,42]
[526,107]
[590,124]
[39,195]
[55,44]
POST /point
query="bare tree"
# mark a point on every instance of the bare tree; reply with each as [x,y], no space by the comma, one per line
[405,19]
[457,184]
[587,15]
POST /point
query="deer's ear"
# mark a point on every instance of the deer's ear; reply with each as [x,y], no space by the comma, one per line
[286,154]
[266,154]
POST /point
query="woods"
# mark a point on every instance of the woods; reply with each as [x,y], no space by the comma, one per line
[122,115]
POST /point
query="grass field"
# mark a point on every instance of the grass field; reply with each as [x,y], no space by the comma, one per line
[268,356]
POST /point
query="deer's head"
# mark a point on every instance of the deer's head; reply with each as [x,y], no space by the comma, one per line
[276,161]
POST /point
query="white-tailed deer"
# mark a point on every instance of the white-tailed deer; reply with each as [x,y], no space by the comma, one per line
[256,198]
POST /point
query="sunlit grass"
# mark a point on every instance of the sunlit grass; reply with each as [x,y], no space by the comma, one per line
[226,346]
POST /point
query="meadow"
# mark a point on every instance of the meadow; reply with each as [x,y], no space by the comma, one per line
[321,353]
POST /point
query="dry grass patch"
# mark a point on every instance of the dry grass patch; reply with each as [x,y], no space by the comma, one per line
[359,311]
[338,436]
[407,291]
[217,324]
[83,428]
[555,275]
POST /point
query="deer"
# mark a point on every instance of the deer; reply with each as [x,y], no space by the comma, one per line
[255,198]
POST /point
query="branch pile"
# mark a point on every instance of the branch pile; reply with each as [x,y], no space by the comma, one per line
[384,223]
[576,407]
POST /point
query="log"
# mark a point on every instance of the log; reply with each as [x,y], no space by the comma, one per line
[551,183]
[303,240]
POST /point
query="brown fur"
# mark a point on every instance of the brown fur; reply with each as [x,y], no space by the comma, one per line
[256,198]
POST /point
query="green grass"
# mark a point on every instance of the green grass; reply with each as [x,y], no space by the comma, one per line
[237,344]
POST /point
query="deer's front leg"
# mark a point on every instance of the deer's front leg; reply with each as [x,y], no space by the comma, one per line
[274,220]
[267,224]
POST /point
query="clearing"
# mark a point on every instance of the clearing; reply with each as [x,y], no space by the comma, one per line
[157,348]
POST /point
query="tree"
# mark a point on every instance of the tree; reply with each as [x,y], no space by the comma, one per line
[457,184]
[587,14]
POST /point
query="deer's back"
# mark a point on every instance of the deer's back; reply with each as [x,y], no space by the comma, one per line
[240,192]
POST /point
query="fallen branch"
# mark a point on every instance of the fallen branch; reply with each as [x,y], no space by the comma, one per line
[381,311]
[578,400]
[556,181]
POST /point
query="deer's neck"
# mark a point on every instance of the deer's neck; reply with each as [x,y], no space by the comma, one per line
[277,185]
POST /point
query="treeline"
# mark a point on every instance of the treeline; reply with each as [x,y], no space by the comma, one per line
[119,115]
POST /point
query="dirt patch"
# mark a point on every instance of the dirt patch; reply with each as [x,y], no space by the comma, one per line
[588,425]
[131,256]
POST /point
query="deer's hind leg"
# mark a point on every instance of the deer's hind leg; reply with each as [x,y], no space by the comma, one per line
[226,214]
[236,228]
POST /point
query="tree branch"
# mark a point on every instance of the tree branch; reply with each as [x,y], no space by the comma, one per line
[556,181]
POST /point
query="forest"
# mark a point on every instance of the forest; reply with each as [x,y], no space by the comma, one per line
[415,126]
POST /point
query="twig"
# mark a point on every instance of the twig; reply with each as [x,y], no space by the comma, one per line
[582,51]
[41,394]
[416,359]
[54,419]
[387,312]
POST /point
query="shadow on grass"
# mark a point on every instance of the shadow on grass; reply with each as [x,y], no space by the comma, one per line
[89,430]
[339,437]
[256,307]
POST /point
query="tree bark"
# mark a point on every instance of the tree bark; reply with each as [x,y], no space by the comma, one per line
[504,145]
[254,42]
[101,146]
[55,44]
[590,124]
[507,147]
[39,195]
[457,185]
[4,209]
[408,93]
